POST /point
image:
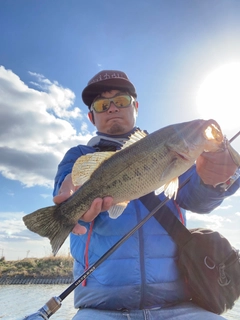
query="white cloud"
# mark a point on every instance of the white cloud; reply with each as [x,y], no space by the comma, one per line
[223,207]
[56,98]
[211,221]
[236,194]
[17,241]
[35,127]
[11,226]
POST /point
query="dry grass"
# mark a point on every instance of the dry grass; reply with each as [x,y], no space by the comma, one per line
[33,267]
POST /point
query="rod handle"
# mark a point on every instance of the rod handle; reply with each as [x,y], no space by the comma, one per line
[51,306]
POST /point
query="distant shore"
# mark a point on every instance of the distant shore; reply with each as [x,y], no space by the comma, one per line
[32,280]
[48,270]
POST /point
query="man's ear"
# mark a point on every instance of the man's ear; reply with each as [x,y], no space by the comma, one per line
[91,117]
[136,105]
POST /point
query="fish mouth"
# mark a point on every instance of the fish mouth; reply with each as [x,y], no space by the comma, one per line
[214,137]
[213,131]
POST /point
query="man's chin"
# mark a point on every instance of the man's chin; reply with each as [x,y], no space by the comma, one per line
[116,129]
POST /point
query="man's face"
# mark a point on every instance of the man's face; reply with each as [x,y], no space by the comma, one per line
[114,120]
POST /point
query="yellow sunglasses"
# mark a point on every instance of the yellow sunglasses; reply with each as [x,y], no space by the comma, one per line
[103,104]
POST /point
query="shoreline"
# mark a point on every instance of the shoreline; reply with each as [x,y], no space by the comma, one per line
[48,270]
[34,280]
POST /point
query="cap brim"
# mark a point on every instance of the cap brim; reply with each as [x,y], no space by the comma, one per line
[94,89]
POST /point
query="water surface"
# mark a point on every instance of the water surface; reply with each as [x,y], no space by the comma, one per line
[18,301]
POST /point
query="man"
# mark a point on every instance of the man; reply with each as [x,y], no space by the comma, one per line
[140,279]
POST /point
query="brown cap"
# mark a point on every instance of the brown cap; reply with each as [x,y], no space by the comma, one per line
[107,80]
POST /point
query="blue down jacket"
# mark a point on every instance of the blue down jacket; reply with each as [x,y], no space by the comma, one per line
[142,272]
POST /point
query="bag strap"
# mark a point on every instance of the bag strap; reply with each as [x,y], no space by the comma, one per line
[167,219]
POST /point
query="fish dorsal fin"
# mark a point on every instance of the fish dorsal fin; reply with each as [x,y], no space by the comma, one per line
[170,189]
[136,136]
[86,165]
[116,210]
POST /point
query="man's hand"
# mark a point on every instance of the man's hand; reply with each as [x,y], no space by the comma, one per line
[215,167]
[98,205]
[66,190]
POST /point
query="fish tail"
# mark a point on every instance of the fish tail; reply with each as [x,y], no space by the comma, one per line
[47,223]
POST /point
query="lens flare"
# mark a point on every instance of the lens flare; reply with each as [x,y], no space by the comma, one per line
[219,96]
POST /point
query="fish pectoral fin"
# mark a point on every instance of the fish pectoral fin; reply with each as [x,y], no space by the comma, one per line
[170,189]
[168,170]
[116,210]
[136,136]
[86,165]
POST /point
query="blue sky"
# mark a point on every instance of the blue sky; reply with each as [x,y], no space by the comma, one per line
[50,49]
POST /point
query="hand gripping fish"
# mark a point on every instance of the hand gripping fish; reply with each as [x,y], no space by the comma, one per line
[145,163]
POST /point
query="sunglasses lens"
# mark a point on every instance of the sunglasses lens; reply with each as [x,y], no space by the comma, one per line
[121,101]
[101,105]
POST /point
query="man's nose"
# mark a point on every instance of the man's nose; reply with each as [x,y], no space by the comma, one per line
[113,108]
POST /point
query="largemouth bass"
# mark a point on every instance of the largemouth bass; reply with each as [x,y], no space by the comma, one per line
[146,163]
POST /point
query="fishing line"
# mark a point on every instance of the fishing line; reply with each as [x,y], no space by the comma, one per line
[55,302]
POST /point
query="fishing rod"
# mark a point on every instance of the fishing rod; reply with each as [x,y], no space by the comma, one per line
[234,137]
[55,302]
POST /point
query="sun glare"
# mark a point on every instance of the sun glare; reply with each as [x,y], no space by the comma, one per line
[219,96]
